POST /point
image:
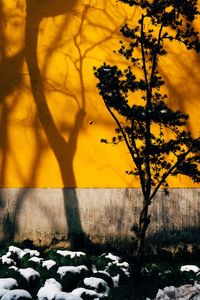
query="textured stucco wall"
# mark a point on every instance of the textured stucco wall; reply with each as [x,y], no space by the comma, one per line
[51,116]
[104,214]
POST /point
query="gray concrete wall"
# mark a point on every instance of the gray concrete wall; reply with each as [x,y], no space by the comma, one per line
[42,214]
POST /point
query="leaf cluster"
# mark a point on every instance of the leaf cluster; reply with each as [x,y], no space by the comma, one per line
[153,132]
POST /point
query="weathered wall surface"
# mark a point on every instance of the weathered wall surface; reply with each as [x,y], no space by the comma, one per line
[104,214]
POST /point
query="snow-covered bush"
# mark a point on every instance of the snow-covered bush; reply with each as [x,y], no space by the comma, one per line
[16,295]
[70,276]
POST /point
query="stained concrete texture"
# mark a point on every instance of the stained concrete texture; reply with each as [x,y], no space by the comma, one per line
[45,214]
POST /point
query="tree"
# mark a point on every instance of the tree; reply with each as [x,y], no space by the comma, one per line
[154,133]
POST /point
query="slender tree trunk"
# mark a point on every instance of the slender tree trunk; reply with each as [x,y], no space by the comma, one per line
[140,233]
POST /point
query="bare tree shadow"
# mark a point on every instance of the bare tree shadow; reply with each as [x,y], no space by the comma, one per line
[63,150]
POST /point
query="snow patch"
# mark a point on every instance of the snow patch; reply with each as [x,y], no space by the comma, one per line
[116,280]
[66,296]
[94,269]
[16,294]
[29,273]
[18,251]
[97,283]
[80,291]
[183,292]
[188,268]
[72,254]
[50,289]
[7,260]
[32,252]
[36,259]
[13,268]
[170,291]
[76,270]
[112,257]
[48,263]
[8,283]
[2,292]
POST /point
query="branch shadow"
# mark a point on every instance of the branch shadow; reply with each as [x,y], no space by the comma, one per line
[63,150]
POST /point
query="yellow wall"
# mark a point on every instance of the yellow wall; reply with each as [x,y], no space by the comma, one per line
[50,133]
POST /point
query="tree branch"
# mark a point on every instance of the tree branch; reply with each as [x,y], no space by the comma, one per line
[126,140]
[164,177]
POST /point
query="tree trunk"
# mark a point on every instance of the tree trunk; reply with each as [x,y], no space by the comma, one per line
[139,251]
[140,232]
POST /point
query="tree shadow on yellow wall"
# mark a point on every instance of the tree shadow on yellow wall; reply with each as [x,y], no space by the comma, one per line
[10,80]
[63,150]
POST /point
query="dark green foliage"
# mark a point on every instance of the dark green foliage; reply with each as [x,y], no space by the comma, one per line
[122,292]
[86,296]
[153,132]
[4,270]
[46,274]
[101,262]
[25,263]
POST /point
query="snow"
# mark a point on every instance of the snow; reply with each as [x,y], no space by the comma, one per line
[8,283]
[79,292]
[113,257]
[94,268]
[6,260]
[116,280]
[76,270]
[13,268]
[183,292]
[16,294]
[72,254]
[2,292]
[124,266]
[197,285]
[29,273]
[170,292]
[32,252]
[50,289]
[18,251]
[188,268]
[48,263]
[96,283]
[103,272]
[82,267]
[66,296]
[161,296]
[36,259]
